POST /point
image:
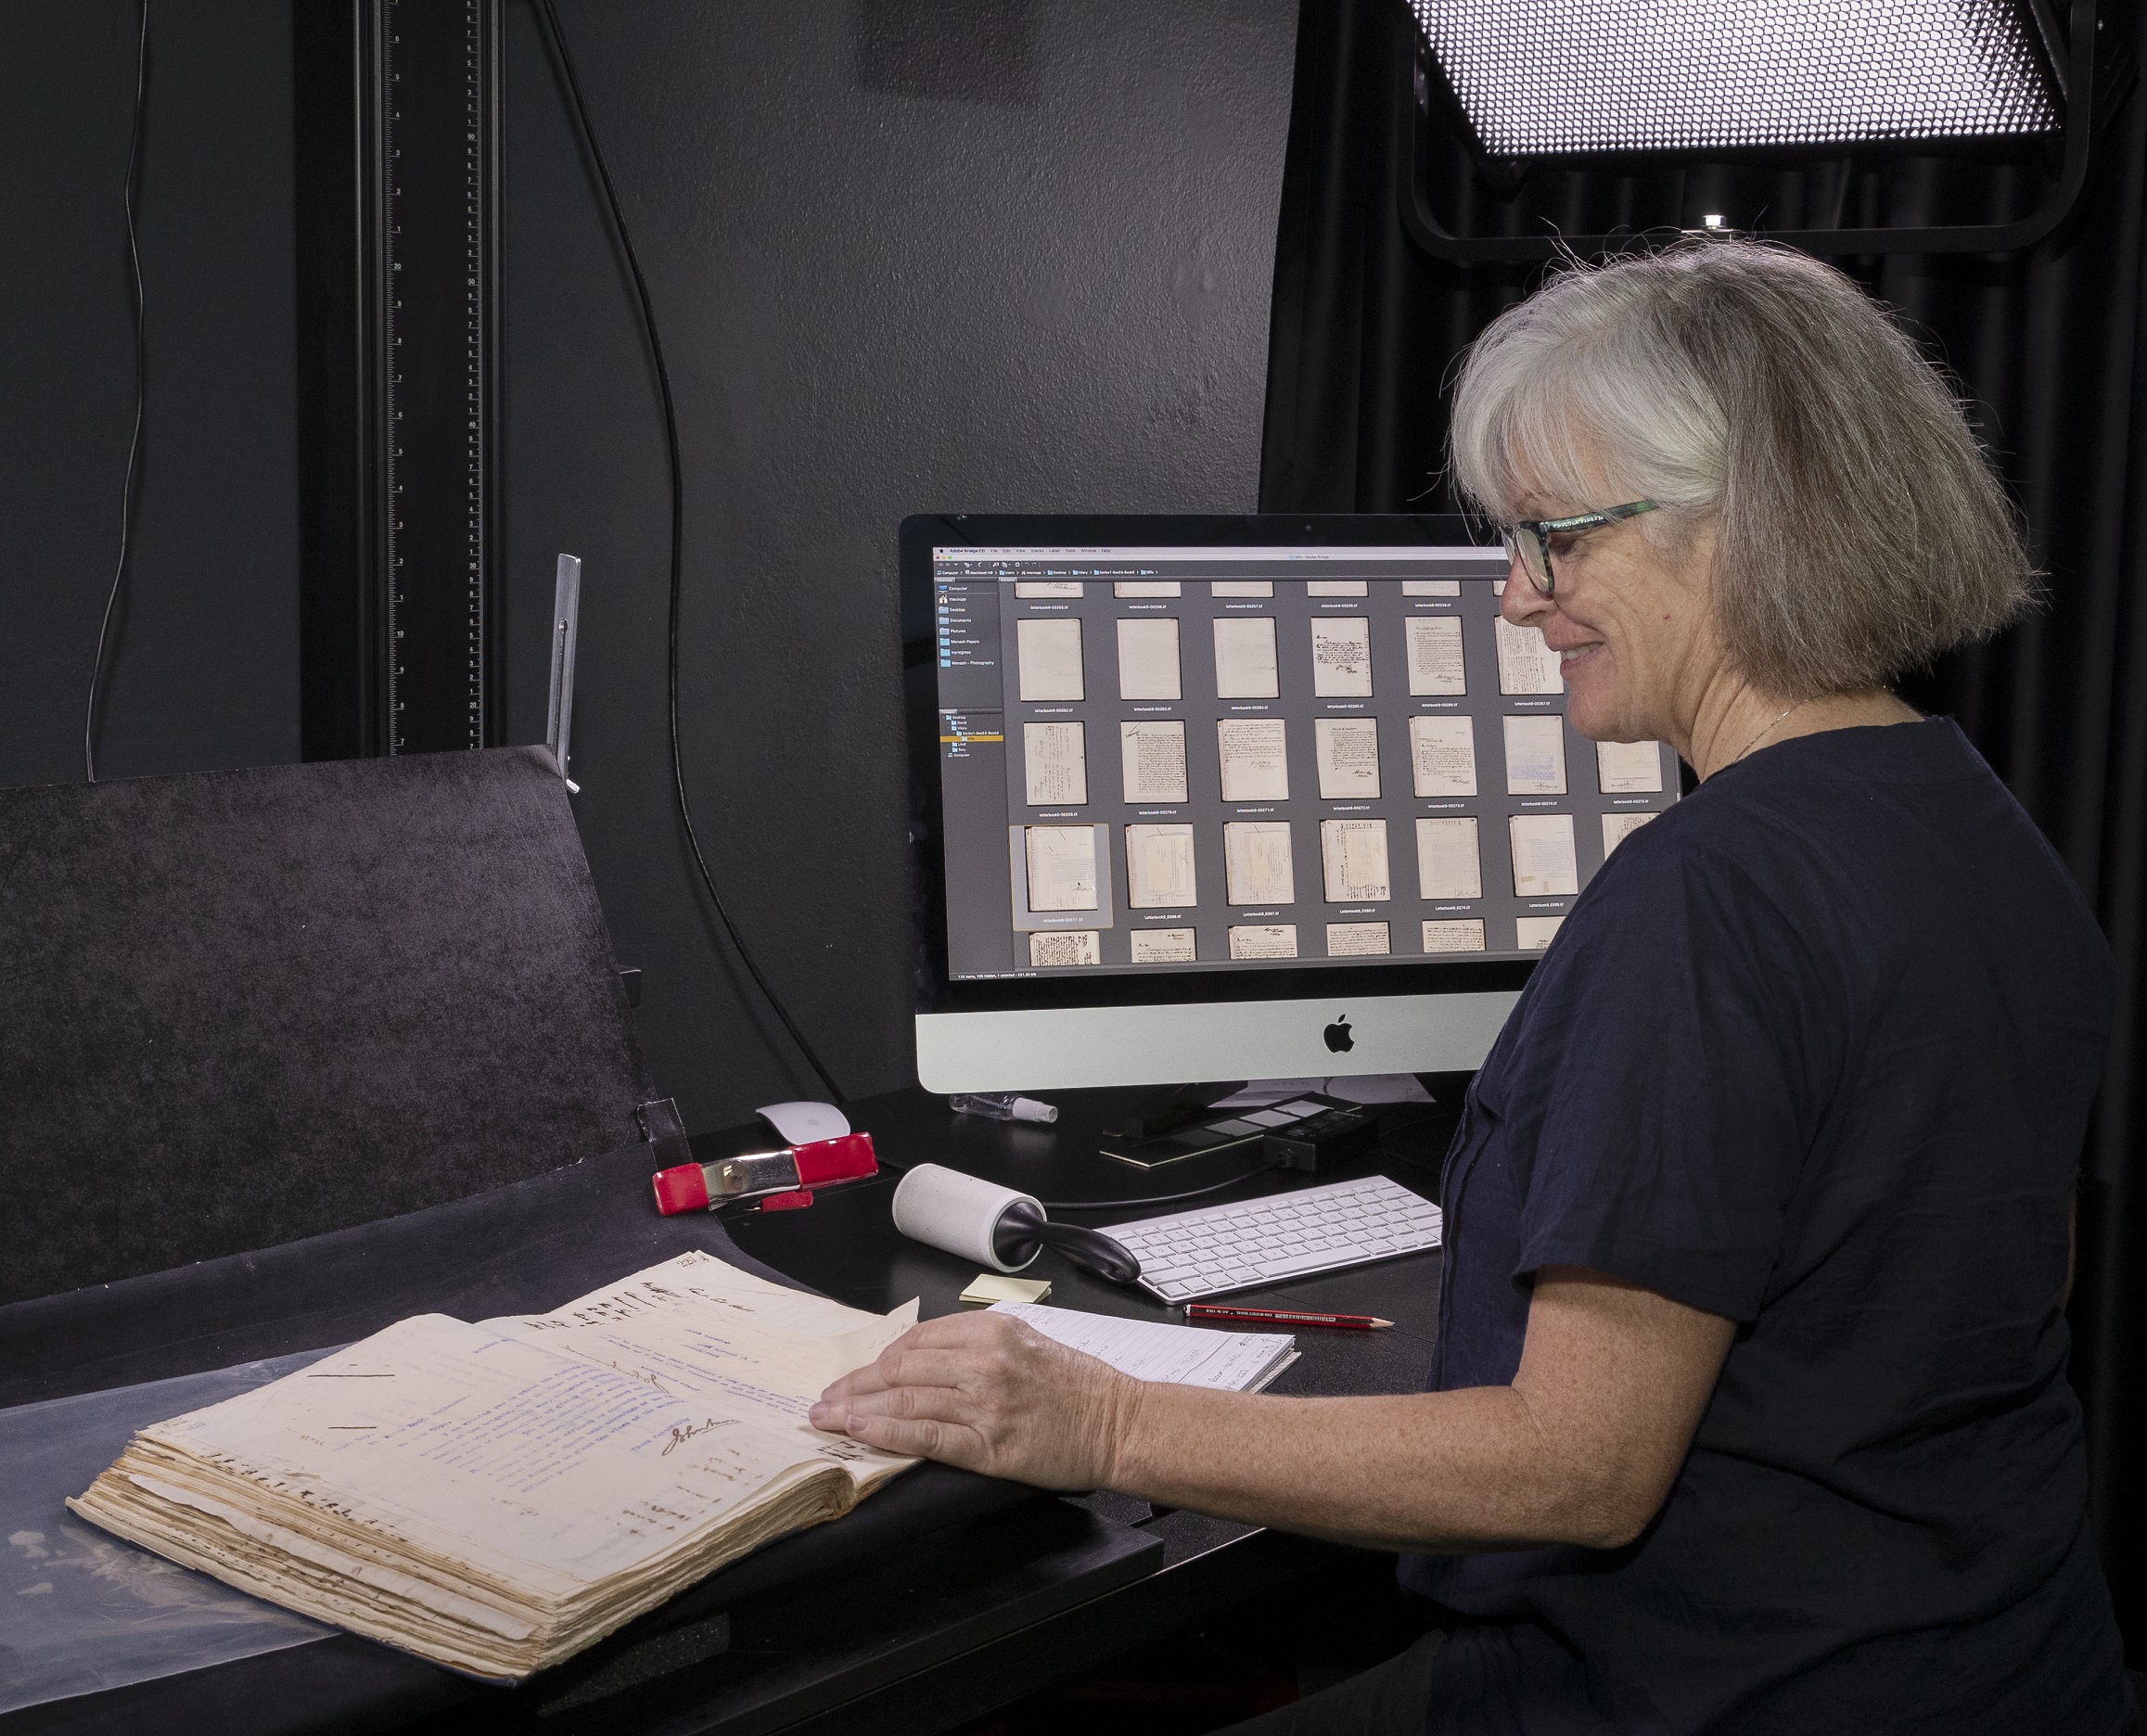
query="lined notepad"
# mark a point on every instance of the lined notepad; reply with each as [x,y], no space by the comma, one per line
[1154,1350]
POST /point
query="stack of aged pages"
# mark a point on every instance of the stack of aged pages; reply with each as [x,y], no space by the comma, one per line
[497,1497]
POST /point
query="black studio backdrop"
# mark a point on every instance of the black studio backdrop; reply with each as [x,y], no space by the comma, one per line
[2048,347]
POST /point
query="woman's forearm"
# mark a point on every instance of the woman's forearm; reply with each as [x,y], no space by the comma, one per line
[1453,1471]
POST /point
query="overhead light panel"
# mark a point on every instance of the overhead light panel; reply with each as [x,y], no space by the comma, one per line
[1563,77]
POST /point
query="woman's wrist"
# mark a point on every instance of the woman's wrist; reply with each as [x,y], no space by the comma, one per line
[1126,1419]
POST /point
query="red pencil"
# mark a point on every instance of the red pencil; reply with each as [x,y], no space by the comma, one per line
[1282,1317]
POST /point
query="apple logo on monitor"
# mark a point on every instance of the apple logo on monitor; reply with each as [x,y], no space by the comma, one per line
[1338,1035]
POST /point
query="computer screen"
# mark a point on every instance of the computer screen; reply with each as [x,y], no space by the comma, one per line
[1224,768]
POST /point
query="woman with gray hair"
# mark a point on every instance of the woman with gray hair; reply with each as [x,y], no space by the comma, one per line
[1749,1408]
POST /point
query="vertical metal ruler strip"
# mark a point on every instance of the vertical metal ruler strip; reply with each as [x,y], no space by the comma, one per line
[436,212]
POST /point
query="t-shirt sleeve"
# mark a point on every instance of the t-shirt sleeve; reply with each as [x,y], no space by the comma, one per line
[1669,1054]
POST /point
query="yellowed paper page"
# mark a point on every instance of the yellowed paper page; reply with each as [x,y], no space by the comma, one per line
[1544,858]
[1347,752]
[1353,853]
[1145,587]
[1148,658]
[1050,655]
[1442,754]
[1431,587]
[1464,934]
[1618,828]
[1062,867]
[1357,939]
[1152,762]
[1255,767]
[1256,863]
[1435,657]
[1337,587]
[1449,863]
[1054,764]
[1526,664]
[1159,867]
[1163,946]
[1532,934]
[1046,588]
[1535,756]
[1242,587]
[1264,940]
[1629,768]
[1342,656]
[1244,657]
[1049,948]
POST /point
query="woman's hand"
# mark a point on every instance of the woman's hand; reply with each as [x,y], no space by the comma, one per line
[989,1393]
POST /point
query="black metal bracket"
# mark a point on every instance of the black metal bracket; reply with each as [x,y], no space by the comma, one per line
[1424,227]
[400,212]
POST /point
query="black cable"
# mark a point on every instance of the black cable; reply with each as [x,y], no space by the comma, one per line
[135,440]
[557,39]
[1159,1199]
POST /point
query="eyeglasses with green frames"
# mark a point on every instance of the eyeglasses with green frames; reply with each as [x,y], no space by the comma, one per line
[1529,541]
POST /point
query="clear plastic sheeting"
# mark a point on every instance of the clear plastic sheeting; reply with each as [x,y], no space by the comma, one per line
[82,1611]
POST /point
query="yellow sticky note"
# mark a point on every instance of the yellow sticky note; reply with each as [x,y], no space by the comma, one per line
[988,1287]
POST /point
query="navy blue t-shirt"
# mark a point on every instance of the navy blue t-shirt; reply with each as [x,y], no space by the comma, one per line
[1814,1051]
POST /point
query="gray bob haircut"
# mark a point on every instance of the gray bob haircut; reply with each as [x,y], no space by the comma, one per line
[1859,530]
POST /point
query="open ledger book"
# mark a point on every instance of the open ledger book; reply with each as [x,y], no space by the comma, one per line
[497,1497]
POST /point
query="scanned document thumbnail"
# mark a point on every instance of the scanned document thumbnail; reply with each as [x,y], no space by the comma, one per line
[1442,754]
[1348,750]
[1148,658]
[1264,940]
[1163,946]
[1145,587]
[1431,587]
[1532,934]
[1454,935]
[1055,763]
[1254,768]
[1152,761]
[1354,854]
[1618,828]
[1050,655]
[1159,866]
[1064,946]
[1337,587]
[1342,656]
[1526,664]
[1357,939]
[1242,587]
[1047,587]
[1256,863]
[1629,768]
[1449,863]
[1543,859]
[1535,756]
[1062,867]
[1244,657]
[1435,657]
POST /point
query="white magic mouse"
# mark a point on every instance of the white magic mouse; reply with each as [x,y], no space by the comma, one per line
[801,1123]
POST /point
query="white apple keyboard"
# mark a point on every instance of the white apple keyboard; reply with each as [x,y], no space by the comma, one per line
[1196,1254]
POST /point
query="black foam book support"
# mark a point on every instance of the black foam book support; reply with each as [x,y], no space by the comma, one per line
[239,1008]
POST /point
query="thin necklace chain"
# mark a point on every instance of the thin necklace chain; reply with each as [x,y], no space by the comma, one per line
[1770,727]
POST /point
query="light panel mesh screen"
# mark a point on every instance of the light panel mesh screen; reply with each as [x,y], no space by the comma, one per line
[1539,77]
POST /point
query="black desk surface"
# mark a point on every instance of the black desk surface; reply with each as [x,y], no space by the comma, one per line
[957,1593]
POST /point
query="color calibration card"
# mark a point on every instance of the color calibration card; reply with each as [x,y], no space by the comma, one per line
[1226,758]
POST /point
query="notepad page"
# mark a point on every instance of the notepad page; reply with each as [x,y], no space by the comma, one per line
[1154,1350]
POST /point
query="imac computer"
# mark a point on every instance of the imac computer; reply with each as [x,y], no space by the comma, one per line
[1233,798]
